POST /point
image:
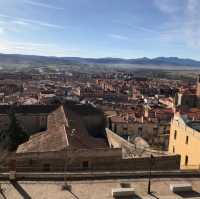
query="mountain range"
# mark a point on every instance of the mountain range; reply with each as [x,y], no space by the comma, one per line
[6,59]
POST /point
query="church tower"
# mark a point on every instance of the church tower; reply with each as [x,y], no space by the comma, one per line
[198,92]
[198,87]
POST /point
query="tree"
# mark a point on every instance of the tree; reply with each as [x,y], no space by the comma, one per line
[16,134]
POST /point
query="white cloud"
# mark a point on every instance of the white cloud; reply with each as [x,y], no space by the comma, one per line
[184,24]
[169,6]
[2,30]
[29,22]
[44,24]
[118,37]
[22,23]
[44,5]
[36,49]
[192,23]
[130,25]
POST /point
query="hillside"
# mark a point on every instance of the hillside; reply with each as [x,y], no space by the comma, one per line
[16,59]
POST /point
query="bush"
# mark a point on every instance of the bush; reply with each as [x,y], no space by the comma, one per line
[16,135]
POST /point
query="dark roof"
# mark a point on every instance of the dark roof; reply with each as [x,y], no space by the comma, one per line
[78,135]
[194,125]
[82,109]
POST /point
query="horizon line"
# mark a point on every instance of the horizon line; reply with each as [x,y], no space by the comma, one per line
[108,57]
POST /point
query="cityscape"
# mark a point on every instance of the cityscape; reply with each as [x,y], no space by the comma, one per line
[101,124]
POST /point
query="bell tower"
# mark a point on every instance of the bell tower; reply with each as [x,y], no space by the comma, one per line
[198,92]
[198,87]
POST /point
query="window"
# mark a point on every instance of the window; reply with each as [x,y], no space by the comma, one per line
[155,130]
[175,134]
[173,149]
[186,160]
[46,167]
[140,130]
[115,128]
[125,185]
[85,164]
[125,128]
[30,162]
[186,141]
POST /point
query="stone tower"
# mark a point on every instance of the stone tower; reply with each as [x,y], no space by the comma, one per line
[198,87]
[198,92]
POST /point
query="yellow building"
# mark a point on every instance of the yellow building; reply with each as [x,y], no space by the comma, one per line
[185,141]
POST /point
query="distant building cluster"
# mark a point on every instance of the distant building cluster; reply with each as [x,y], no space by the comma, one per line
[100,121]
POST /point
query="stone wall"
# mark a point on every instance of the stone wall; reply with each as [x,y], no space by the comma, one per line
[31,123]
[156,134]
[91,160]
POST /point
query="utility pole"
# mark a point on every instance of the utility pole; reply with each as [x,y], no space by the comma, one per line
[150,169]
[67,159]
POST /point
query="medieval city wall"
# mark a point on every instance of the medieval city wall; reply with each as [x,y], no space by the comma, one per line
[92,160]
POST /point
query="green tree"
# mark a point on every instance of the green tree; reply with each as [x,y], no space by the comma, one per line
[16,135]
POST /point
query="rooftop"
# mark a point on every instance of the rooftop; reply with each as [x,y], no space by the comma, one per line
[31,109]
[78,136]
[65,128]
[195,125]
[118,119]
[97,189]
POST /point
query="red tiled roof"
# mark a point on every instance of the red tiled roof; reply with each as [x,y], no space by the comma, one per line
[118,119]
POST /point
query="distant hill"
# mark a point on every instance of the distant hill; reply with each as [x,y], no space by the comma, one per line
[6,59]
[167,61]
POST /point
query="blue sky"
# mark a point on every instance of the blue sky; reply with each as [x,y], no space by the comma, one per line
[101,28]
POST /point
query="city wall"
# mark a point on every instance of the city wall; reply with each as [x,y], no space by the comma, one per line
[90,160]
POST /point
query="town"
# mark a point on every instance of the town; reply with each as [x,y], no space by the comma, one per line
[99,99]
[72,121]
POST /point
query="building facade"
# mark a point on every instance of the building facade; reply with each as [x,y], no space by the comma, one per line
[185,141]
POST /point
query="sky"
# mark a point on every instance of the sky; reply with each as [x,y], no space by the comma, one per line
[101,28]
